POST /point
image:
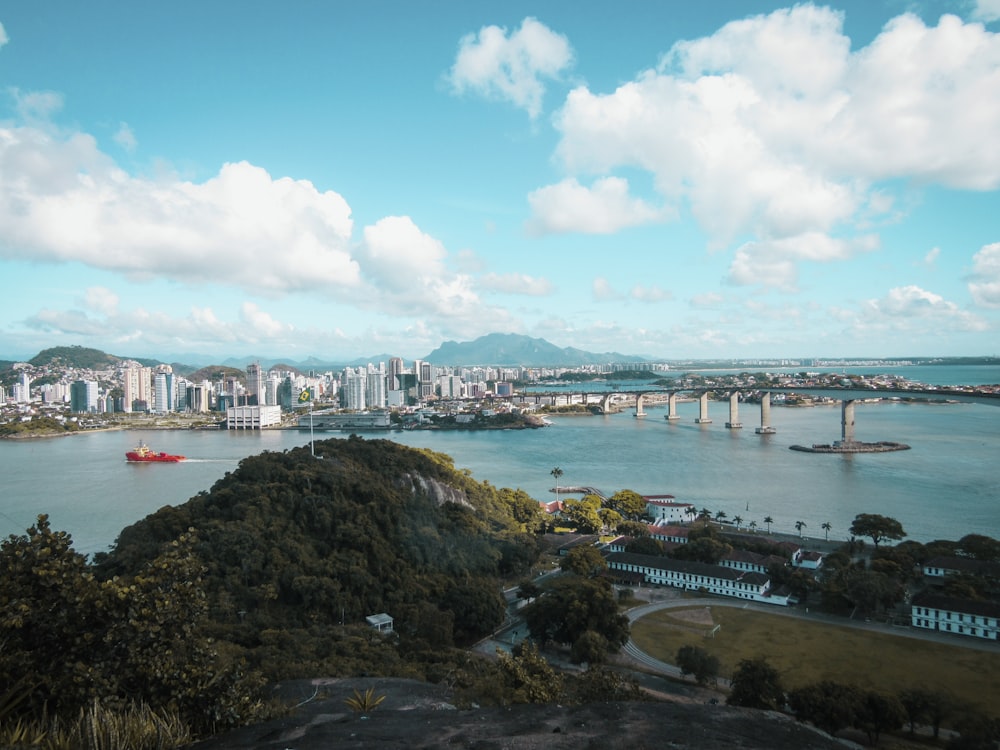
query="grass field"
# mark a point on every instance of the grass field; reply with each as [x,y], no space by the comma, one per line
[806,652]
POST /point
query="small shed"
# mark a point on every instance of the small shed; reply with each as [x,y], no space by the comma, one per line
[381,622]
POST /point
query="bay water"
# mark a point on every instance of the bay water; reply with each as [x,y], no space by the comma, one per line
[946,486]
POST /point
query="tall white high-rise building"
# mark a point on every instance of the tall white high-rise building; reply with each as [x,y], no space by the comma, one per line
[395,369]
[255,384]
[137,382]
[163,392]
[375,389]
[451,386]
[354,384]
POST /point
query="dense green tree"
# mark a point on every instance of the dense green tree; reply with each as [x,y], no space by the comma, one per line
[645,546]
[585,560]
[829,705]
[136,638]
[524,676]
[476,608]
[610,519]
[582,514]
[523,508]
[589,648]
[877,528]
[573,605]
[926,706]
[528,590]
[600,684]
[704,549]
[692,660]
[756,684]
[976,731]
[871,591]
[980,547]
[634,529]
[631,505]
[879,713]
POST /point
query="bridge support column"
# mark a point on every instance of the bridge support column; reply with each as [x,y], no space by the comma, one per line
[734,412]
[703,410]
[639,412]
[672,407]
[847,422]
[765,416]
[606,404]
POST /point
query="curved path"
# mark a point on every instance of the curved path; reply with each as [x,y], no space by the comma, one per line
[631,650]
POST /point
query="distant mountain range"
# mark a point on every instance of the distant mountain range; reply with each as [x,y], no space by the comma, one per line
[497,349]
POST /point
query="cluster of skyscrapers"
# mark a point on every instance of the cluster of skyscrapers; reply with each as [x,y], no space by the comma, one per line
[136,388]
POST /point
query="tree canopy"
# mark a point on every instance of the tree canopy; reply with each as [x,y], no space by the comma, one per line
[876,527]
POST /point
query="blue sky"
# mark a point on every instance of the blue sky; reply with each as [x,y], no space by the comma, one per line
[339,180]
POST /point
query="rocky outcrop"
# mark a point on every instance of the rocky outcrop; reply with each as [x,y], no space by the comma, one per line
[418,715]
[439,492]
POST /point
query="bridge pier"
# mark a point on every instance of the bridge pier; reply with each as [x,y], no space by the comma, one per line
[765,416]
[639,412]
[734,412]
[847,422]
[703,410]
[672,407]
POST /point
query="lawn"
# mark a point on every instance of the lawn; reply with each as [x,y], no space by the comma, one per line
[806,652]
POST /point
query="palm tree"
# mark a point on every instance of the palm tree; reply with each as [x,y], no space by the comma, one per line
[768,520]
[704,514]
[738,520]
[720,515]
[692,511]
[799,525]
[752,526]
[826,527]
[557,472]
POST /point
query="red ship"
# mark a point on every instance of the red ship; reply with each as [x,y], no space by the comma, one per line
[144,454]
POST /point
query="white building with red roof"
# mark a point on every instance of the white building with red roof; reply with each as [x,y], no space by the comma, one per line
[664,509]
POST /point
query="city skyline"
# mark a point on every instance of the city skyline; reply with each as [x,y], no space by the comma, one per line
[744,180]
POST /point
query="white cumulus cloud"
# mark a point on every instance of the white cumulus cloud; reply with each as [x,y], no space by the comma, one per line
[775,127]
[774,263]
[63,200]
[987,10]
[604,208]
[985,282]
[516,283]
[511,67]
[910,308]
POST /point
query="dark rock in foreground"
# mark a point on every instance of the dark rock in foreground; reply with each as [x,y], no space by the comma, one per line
[418,715]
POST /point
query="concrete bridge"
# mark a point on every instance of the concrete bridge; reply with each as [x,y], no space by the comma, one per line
[606,401]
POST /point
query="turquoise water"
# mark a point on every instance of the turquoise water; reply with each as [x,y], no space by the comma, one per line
[946,486]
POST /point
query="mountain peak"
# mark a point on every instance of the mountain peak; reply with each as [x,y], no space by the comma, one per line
[513,349]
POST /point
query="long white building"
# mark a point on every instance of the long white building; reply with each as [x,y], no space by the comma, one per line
[697,576]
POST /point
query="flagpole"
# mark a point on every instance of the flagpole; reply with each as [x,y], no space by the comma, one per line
[312,448]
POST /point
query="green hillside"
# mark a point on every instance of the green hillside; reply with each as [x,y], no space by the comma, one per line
[74,356]
[295,545]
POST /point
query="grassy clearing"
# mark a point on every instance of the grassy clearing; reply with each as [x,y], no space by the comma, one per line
[806,652]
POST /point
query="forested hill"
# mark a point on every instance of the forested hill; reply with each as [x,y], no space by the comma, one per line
[297,544]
